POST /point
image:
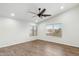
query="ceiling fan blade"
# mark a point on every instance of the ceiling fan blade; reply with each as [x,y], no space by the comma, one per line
[31,12]
[45,15]
[34,16]
[40,14]
[39,10]
[42,11]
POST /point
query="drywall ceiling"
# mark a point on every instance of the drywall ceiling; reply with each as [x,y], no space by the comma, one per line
[21,10]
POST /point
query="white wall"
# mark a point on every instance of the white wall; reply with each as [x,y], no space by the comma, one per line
[70,35]
[13,32]
[16,31]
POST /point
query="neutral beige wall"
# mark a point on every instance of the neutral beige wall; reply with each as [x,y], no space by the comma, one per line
[70,35]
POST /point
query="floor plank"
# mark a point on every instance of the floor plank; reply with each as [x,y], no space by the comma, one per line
[39,48]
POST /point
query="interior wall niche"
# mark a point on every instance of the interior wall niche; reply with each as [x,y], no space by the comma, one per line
[54,29]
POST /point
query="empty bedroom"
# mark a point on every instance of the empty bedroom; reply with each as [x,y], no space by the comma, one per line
[39,29]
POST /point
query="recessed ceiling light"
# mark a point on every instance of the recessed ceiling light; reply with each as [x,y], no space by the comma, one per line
[62,7]
[12,14]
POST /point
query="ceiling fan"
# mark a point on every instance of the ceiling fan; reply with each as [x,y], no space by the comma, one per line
[41,13]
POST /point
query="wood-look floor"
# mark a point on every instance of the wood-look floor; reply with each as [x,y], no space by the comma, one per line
[39,48]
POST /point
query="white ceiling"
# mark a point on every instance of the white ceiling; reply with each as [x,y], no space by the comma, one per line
[21,9]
